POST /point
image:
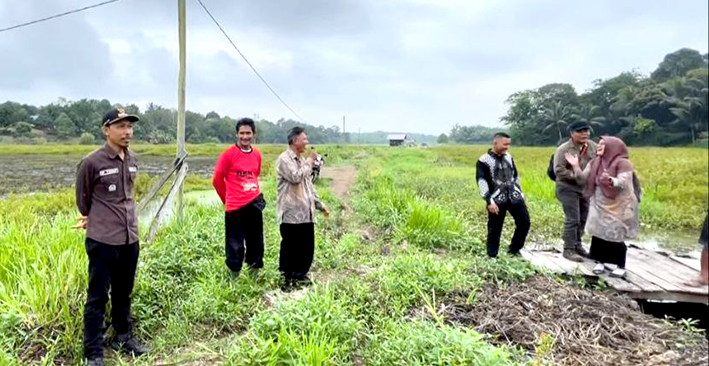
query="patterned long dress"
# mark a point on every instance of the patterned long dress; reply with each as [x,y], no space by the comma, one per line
[614,219]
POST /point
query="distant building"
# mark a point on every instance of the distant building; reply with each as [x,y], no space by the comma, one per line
[397,139]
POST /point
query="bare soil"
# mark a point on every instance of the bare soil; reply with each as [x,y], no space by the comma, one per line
[343,178]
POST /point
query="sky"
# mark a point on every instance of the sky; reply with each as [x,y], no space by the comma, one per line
[395,65]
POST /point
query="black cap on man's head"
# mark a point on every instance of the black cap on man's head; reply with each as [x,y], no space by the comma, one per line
[578,126]
[117,115]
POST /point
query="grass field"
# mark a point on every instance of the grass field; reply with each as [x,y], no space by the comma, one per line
[411,235]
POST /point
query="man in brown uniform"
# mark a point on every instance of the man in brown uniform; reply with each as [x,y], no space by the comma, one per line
[104,196]
[569,188]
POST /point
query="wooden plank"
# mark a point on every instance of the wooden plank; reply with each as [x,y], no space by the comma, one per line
[670,271]
[689,262]
[622,285]
[540,260]
[642,283]
[571,267]
[649,275]
[665,263]
[637,266]
[585,267]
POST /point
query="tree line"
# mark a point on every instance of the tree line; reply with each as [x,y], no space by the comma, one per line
[71,121]
[668,107]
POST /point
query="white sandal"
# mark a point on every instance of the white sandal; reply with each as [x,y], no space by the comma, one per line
[618,272]
[599,268]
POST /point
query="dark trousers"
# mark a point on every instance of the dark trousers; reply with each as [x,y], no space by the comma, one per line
[110,267]
[297,250]
[576,211]
[244,237]
[604,251]
[494,227]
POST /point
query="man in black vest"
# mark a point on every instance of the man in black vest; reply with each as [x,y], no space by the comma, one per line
[501,188]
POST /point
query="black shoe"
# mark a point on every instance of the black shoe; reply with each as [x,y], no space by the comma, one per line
[287,286]
[581,251]
[304,282]
[572,255]
[129,344]
[98,361]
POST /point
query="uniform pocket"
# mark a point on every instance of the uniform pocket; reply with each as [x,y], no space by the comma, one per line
[110,183]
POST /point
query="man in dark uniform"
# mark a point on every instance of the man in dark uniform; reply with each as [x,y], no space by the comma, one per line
[104,196]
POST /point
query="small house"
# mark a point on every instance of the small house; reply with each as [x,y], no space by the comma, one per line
[397,139]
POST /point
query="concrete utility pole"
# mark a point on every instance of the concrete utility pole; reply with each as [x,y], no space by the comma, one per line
[181,99]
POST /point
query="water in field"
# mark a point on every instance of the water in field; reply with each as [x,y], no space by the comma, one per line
[680,242]
[201,197]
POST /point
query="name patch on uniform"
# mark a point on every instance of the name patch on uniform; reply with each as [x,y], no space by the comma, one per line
[132,169]
[106,172]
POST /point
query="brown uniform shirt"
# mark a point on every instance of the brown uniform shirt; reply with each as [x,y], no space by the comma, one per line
[565,176]
[104,193]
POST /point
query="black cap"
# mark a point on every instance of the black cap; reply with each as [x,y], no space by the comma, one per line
[578,126]
[116,115]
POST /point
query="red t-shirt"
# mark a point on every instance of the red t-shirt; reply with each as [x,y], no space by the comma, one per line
[236,177]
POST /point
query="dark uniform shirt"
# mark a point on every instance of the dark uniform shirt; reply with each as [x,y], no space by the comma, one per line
[104,193]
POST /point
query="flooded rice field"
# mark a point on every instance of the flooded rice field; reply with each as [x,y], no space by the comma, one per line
[31,173]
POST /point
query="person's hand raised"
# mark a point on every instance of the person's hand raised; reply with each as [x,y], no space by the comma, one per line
[572,159]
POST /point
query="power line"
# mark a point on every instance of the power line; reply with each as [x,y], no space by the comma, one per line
[249,63]
[57,16]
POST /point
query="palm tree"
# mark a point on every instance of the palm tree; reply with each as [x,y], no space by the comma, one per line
[687,100]
[590,115]
[557,116]
[624,101]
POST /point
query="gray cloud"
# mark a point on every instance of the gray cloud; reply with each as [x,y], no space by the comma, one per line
[411,65]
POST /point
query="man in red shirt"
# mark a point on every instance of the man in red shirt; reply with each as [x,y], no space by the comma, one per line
[236,179]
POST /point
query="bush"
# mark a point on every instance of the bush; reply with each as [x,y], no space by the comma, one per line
[87,138]
[23,129]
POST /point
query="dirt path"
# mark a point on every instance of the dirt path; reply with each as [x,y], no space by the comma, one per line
[343,178]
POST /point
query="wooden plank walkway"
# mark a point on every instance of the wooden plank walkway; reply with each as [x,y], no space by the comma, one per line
[649,275]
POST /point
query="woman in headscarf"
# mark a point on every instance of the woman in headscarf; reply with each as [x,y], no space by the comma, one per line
[613,212]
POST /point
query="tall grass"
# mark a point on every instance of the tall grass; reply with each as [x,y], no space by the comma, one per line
[415,234]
